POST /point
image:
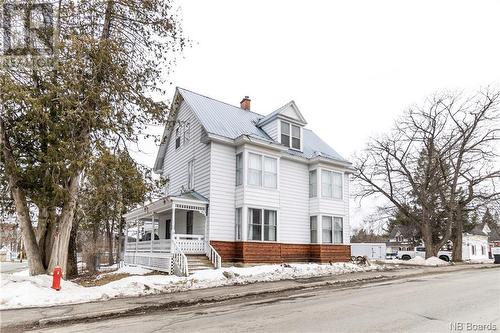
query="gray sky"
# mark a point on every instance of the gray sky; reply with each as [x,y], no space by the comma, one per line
[351,66]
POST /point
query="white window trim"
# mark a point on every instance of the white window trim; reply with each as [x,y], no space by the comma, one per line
[240,225]
[242,170]
[320,228]
[320,191]
[301,129]
[246,164]
[262,225]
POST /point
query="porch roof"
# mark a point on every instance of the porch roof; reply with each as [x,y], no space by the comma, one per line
[191,199]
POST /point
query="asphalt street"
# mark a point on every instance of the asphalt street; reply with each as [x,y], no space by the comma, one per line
[430,303]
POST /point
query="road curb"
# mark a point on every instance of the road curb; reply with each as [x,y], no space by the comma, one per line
[170,305]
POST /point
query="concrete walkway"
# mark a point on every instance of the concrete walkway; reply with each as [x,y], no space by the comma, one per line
[14,320]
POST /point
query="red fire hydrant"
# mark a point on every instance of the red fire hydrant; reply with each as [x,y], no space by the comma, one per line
[56,278]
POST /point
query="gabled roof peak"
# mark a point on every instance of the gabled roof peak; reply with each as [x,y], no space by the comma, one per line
[289,111]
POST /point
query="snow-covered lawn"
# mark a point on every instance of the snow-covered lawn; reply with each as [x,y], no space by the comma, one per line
[419,261]
[19,291]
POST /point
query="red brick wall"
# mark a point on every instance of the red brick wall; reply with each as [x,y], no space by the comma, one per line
[259,252]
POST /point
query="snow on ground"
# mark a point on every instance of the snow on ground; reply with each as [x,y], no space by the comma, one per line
[33,291]
[419,261]
[132,270]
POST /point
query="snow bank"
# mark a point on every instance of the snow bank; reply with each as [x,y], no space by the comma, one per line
[419,261]
[480,261]
[26,291]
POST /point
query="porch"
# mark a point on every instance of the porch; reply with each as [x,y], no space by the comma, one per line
[161,234]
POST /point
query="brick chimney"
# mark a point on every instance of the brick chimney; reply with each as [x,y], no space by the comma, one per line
[245,103]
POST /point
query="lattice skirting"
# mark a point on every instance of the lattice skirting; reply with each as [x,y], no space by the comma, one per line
[161,263]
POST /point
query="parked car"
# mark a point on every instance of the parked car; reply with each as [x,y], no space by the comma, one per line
[420,252]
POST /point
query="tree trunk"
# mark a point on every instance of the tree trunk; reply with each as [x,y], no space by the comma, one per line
[59,255]
[109,238]
[121,239]
[457,240]
[72,264]
[22,210]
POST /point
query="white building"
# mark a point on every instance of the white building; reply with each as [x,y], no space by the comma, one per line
[242,187]
[475,245]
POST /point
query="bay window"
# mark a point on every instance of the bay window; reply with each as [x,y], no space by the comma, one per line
[331,184]
[313,222]
[270,172]
[239,169]
[262,171]
[262,224]
[326,235]
[326,184]
[254,169]
[313,184]
[338,230]
[237,229]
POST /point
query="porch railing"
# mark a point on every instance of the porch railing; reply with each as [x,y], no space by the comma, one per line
[190,244]
[158,246]
[180,262]
[213,255]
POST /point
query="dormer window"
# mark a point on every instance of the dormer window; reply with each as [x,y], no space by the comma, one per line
[290,135]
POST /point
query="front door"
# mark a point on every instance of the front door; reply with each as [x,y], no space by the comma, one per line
[167,229]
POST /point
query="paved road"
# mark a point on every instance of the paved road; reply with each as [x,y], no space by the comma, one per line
[12,267]
[425,304]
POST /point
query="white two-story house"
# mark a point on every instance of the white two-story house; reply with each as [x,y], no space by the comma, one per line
[242,187]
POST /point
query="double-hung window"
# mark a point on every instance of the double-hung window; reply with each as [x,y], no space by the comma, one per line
[338,230]
[331,184]
[190,182]
[313,183]
[326,235]
[262,224]
[187,133]
[285,134]
[270,172]
[177,137]
[313,221]
[238,218]
[290,135]
[262,171]
[254,169]
[239,169]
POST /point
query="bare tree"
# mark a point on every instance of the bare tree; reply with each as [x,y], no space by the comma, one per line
[437,163]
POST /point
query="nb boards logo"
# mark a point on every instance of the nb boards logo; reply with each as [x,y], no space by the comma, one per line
[27,33]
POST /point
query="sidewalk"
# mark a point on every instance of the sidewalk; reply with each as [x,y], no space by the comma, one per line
[30,317]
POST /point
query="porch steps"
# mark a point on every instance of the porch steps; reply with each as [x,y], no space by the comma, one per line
[198,262]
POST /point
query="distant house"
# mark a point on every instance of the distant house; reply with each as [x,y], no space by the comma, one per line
[475,243]
[242,187]
[402,238]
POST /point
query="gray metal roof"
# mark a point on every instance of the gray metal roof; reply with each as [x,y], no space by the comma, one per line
[231,122]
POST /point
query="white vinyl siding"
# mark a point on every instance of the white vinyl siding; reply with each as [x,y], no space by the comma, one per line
[190,182]
[176,160]
[293,202]
[222,192]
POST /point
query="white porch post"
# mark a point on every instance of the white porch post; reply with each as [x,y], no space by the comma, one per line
[137,236]
[125,243]
[172,228]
